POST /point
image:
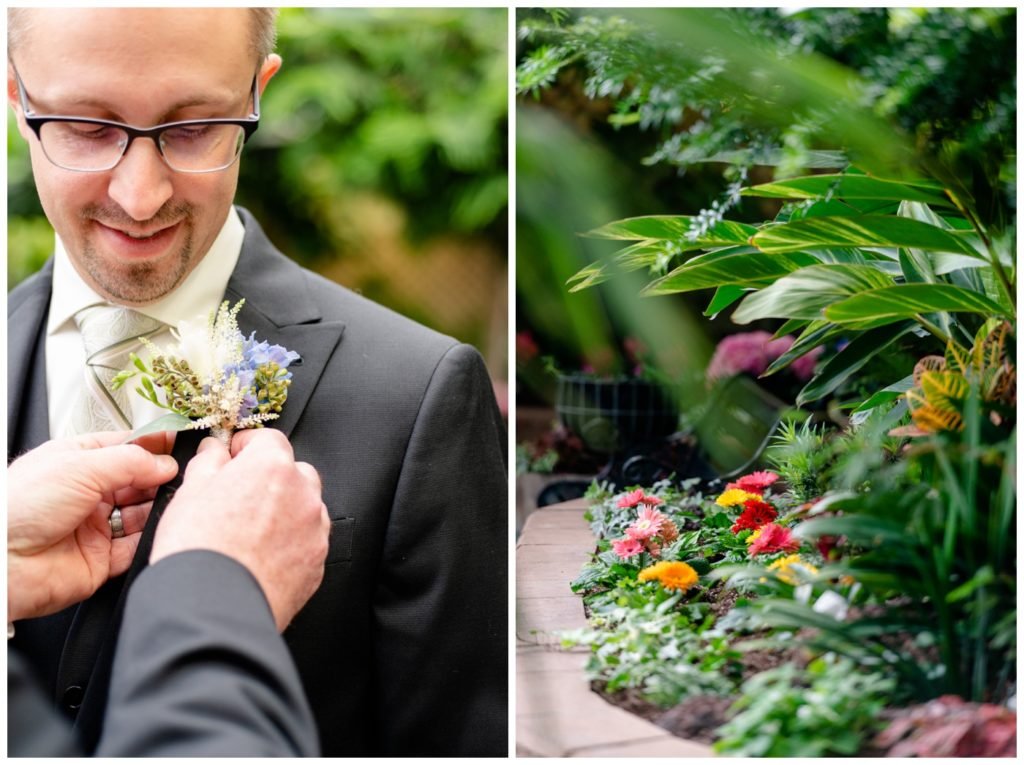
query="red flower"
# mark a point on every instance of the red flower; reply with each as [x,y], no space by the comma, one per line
[756,513]
[637,497]
[828,547]
[756,482]
[773,538]
[526,347]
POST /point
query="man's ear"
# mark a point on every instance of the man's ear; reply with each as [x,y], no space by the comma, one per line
[14,101]
[12,90]
[268,70]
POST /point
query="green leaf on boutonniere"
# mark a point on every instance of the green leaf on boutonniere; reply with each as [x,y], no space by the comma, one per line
[173,421]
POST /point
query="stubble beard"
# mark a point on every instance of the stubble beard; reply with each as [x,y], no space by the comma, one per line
[139,283]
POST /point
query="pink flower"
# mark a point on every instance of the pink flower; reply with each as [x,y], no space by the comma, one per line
[647,524]
[773,538]
[637,497]
[753,352]
[742,352]
[626,548]
[755,483]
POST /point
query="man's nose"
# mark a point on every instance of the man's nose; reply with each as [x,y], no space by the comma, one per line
[141,182]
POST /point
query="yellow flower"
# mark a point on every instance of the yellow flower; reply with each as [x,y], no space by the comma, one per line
[731,497]
[790,568]
[673,575]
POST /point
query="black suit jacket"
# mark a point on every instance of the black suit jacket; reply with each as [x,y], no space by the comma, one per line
[200,670]
[403,649]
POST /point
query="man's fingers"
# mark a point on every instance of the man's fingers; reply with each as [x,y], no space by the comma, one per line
[210,457]
[99,440]
[133,496]
[122,551]
[157,443]
[310,474]
[118,467]
[133,517]
[265,437]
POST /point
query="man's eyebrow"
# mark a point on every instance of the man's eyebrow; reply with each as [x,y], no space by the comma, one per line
[85,102]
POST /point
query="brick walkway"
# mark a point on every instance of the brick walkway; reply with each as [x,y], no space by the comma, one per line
[557,715]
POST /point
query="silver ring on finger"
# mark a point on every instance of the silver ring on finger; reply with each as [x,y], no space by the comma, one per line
[116,524]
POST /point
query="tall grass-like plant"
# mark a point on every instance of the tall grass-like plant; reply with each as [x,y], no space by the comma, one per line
[800,455]
[930,540]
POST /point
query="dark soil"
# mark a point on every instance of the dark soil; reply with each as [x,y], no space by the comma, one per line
[759,659]
[628,699]
[721,599]
[696,718]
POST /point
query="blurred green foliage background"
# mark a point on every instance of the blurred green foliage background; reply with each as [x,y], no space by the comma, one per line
[669,111]
[381,162]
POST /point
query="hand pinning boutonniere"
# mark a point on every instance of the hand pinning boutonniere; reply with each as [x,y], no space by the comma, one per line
[214,377]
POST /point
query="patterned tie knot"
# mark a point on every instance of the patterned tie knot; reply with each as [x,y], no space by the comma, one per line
[106,327]
[110,335]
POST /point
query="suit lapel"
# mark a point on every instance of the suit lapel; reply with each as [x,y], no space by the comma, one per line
[280,309]
[28,421]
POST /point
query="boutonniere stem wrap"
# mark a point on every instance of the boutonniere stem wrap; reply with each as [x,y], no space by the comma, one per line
[212,377]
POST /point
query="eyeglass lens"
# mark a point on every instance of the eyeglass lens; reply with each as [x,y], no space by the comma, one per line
[196,147]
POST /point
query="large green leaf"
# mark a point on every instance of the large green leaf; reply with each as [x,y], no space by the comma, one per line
[925,263]
[789,327]
[724,297]
[858,231]
[855,355]
[804,294]
[588,276]
[850,187]
[885,305]
[733,265]
[640,255]
[814,334]
[884,396]
[632,258]
[675,228]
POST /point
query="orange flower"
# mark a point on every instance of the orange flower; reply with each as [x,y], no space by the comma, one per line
[672,575]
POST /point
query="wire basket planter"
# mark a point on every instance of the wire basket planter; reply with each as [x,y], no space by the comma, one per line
[612,415]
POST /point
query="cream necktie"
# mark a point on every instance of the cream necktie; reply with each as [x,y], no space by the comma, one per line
[109,333]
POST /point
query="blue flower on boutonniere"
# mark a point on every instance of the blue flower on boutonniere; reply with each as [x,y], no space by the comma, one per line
[214,377]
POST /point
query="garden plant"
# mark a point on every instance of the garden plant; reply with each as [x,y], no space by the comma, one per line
[856,595]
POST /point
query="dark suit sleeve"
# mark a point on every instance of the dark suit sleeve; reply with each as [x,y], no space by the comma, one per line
[442,599]
[201,670]
[34,728]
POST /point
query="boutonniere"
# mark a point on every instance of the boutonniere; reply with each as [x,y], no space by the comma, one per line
[213,377]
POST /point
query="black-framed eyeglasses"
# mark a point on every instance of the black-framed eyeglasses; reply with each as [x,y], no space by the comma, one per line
[91,145]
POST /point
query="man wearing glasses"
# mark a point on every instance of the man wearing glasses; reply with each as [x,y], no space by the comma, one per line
[135,120]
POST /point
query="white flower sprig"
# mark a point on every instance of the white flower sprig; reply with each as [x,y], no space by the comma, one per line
[213,377]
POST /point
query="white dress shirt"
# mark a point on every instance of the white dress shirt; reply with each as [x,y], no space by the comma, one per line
[201,292]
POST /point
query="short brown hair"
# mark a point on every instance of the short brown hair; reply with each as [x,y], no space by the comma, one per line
[262,39]
[264,32]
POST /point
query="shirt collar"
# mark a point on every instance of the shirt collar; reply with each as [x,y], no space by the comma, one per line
[201,292]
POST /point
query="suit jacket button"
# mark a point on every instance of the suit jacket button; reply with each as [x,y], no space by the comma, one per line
[72,698]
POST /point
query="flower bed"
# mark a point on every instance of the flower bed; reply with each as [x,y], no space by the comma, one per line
[858,599]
